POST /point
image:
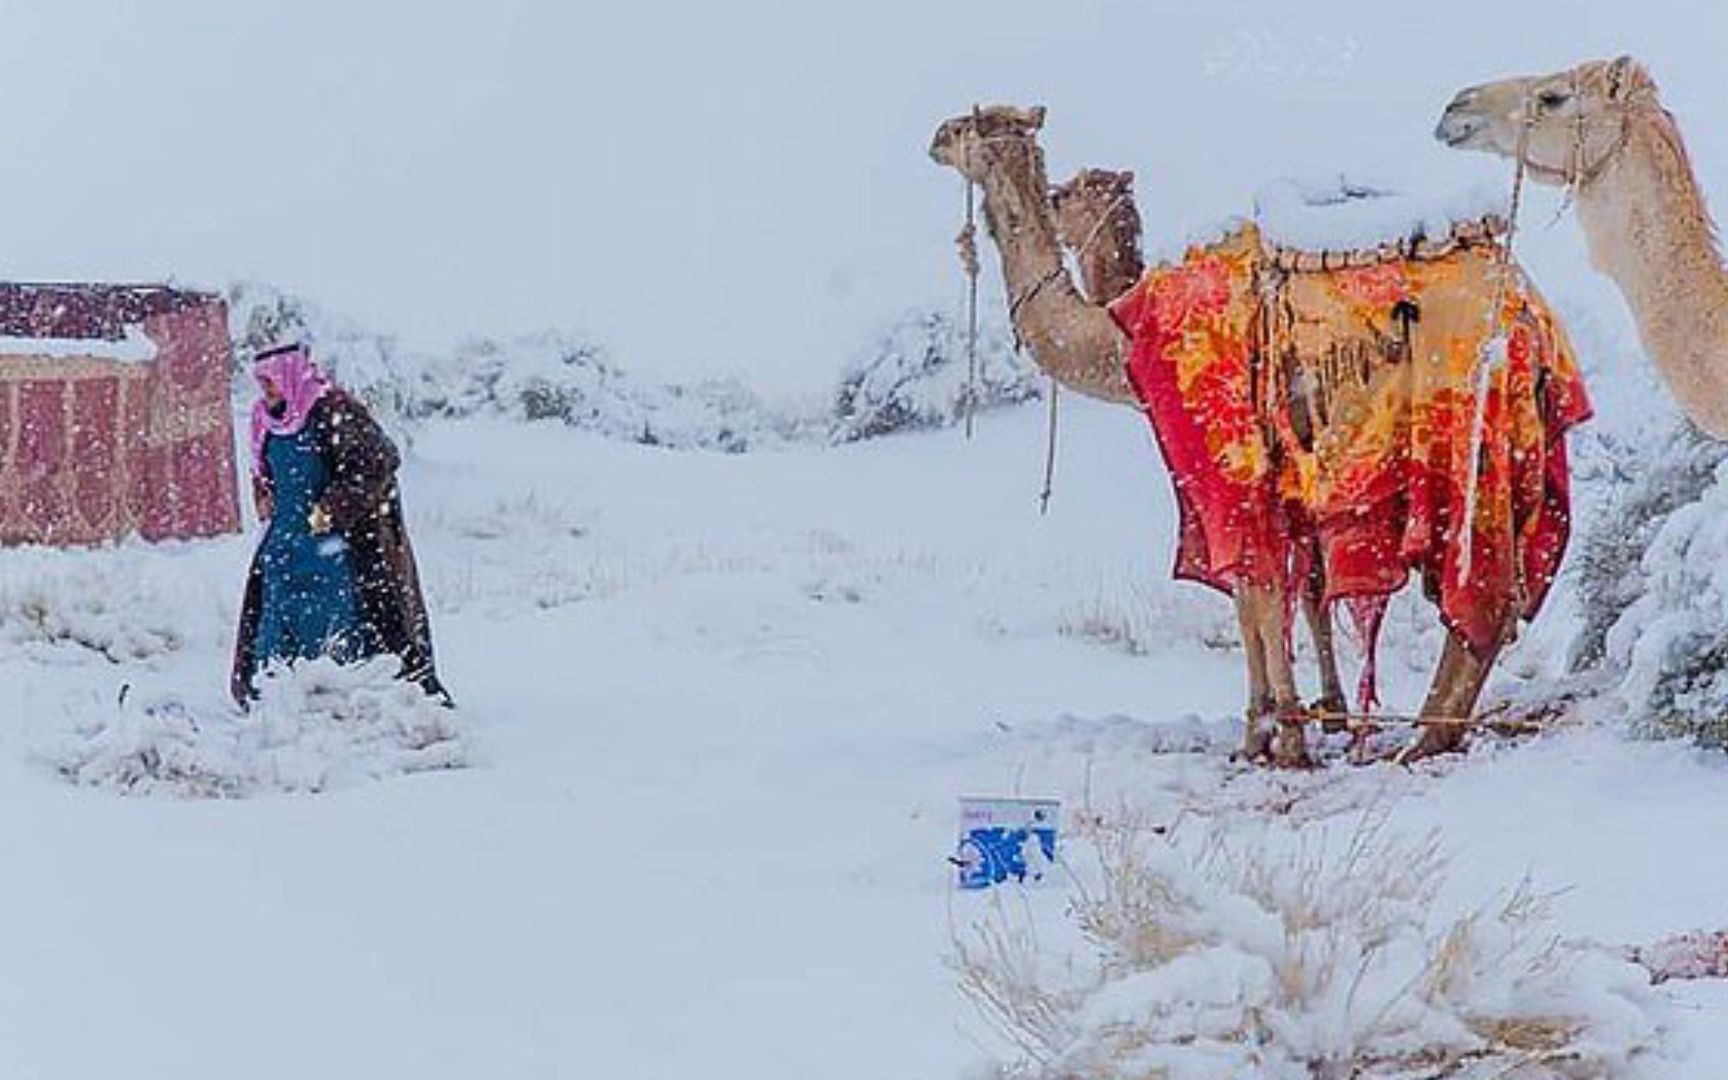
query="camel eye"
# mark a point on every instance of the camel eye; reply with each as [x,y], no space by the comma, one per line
[1552,99]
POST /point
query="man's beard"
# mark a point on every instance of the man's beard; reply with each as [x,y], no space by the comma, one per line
[278,409]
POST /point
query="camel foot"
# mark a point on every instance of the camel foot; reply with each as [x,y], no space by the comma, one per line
[1256,742]
[1290,745]
[1332,709]
[1361,746]
[1436,739]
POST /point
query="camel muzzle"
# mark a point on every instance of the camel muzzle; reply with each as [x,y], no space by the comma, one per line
[1456,128]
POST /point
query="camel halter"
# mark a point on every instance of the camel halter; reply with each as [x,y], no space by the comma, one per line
[1578,173]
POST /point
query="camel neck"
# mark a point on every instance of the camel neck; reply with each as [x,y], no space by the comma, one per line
[1647,227]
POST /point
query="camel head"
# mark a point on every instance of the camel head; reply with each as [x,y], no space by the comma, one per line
[1084,201]
[971,143]
[1570,123]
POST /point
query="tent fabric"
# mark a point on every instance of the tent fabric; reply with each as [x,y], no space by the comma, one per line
[1330,414]
[94,448]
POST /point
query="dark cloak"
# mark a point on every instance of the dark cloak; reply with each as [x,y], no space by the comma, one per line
[365,510]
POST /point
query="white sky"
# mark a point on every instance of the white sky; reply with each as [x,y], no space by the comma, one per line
[710,188]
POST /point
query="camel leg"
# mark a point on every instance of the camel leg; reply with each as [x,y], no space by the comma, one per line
[1319,622]
[1458,682]
[1257,739]
[1260,609]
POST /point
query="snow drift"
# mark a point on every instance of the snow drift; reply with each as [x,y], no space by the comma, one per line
[315,726]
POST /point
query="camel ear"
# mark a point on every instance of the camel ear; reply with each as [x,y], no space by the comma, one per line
[1035,117]
[1624,75]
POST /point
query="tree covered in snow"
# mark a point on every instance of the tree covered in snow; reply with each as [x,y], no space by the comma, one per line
[915,375]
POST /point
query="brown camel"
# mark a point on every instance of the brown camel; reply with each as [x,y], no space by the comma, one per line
[1600,130]
[1072,337]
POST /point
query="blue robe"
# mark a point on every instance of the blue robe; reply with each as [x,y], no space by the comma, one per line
[351,593]
[310,602]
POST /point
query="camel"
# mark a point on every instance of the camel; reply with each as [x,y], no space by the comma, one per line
[1600,131]
[1071,336]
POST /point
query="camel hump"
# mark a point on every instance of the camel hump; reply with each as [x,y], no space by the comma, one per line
[1095,183]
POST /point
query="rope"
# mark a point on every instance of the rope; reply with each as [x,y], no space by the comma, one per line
[1036,287]
[1051,426]
[1575,174]
[968,243]
[1049,456]
[1361,721]
[1494,343]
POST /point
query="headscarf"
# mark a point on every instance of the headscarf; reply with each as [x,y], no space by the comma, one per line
[290,369]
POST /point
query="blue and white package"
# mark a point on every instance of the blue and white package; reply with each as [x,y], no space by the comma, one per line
[1006,840]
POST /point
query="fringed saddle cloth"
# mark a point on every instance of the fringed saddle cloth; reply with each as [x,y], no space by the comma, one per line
[1316,411]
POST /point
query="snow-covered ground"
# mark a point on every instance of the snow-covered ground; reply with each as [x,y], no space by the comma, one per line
[724,658]
[691,817]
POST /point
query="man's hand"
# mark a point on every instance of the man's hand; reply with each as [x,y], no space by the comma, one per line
[318,520]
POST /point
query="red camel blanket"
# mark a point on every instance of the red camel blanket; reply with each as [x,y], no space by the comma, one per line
[1330,415]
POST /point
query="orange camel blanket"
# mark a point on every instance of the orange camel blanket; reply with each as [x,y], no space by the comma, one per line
[1329,415]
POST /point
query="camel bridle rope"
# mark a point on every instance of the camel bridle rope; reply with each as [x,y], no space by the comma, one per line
[967,242]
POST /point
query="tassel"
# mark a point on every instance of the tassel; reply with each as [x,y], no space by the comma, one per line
[1368,614]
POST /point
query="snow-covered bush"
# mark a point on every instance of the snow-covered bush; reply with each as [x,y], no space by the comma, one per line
[1651,591]
[1671,641]
[915,376]
[1647,481]
[539,376]
[370,365]
[1205,956]
[315,726]
[59,600]
[552,376]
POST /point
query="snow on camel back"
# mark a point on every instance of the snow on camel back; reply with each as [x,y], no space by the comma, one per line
[114,414]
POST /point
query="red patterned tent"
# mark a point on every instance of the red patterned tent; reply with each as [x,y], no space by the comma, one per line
[114,414]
